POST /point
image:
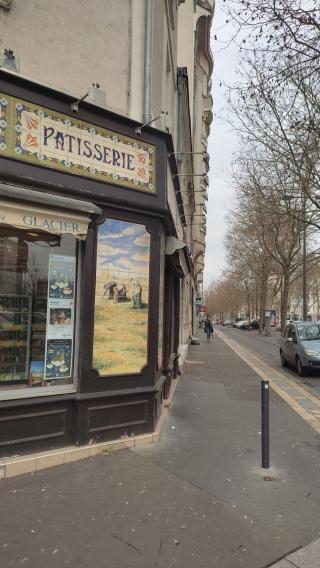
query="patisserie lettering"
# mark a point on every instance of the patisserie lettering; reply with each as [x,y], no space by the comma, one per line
[88,149]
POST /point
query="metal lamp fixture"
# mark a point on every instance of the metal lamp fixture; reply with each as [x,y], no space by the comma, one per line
[5,4]
[173,244]
[95,95]
[165,123]
[204,153]
[9,61]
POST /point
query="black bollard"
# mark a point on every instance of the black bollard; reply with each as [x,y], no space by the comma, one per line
[265,424]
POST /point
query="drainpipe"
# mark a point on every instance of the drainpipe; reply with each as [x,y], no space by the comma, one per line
[148,42]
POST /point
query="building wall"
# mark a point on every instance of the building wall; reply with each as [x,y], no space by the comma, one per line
[194,54]
[72,44]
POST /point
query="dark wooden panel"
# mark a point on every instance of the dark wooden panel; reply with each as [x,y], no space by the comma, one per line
[35,428]
[103,419]
[120,415]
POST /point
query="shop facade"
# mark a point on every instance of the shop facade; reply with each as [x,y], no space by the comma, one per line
[89,302]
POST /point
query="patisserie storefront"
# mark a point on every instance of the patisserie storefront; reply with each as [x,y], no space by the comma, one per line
[83,218]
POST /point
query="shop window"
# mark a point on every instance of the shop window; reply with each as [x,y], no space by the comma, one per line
[37,308]
[122,297]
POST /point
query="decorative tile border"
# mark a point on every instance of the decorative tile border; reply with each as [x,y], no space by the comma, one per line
[41,136]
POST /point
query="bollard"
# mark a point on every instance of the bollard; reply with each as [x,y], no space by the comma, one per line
[265,424]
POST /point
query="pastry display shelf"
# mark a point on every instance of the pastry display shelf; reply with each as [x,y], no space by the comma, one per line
[15,337]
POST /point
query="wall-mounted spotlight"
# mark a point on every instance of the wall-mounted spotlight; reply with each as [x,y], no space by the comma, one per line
[164,123]
[5,5]
[191,175]
[9,61]
[173,244]
[205,154]
[75,104]
[95,94]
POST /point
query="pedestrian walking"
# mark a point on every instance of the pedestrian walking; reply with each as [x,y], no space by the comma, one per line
[208,328]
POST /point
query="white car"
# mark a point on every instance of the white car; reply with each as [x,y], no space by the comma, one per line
[242,324]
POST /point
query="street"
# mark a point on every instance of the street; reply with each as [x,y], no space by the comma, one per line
[267,348]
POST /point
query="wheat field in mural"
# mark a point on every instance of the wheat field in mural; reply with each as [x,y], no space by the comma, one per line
[120,337]
[121,307]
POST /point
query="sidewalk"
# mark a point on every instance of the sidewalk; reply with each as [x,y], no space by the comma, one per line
[196,499]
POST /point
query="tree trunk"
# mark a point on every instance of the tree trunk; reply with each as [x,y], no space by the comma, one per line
[263,299]
[284,299]
[248,303]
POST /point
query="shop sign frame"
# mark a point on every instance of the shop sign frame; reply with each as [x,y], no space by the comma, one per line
[38,135]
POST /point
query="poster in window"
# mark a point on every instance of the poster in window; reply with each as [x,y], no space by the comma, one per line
[122,296]
[58,359]
[36,372]
[60,317]
[62,276]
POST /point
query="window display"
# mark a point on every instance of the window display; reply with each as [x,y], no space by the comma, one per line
[37,308]
[15,328]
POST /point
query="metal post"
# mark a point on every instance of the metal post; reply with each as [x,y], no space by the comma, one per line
[304,265]
[265,424]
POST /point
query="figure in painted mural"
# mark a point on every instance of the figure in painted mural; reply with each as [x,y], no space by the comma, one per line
[109,289]
[120,293]
[136,293]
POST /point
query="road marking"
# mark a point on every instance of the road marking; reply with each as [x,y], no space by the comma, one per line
[300,400]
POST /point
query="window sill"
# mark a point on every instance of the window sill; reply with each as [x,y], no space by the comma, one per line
[36,392]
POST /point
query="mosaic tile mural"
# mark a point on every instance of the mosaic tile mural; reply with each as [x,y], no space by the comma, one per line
[44,137]
[122,296]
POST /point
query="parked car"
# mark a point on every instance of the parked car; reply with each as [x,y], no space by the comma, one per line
[254,324]
[242,324]
[238,320]
[300,346]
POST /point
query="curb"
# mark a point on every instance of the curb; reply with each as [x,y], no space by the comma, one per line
[30,463]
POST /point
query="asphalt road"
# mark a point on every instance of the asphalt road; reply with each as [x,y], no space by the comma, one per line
[267,348]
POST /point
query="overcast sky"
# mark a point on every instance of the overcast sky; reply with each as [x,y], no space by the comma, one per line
[221,146]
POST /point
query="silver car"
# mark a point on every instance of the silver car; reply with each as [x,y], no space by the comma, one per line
[300,346]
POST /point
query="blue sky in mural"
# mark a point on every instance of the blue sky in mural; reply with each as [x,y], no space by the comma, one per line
[123,246]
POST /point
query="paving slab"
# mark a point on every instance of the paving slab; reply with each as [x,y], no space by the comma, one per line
[307,557]
[124,509]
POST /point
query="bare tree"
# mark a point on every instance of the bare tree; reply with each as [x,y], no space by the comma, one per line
[225,297]
[265,238]
[286,30]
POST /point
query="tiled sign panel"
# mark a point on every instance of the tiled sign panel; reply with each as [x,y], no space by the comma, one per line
[122,296]
[41,136]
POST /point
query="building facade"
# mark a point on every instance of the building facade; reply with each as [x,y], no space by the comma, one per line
[104,119]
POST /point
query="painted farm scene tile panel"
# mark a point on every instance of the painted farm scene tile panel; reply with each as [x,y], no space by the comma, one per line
[122,295]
